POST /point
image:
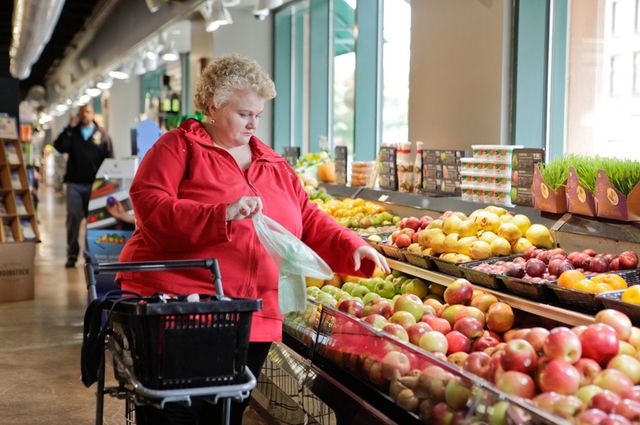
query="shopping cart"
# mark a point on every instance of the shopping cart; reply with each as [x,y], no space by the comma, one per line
[172,349]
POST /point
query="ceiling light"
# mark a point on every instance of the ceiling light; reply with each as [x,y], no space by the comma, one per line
[44,118]
[263,8]
[139,68]
[105,84]
[84,99]
[170,54]
[118,74]
[215,15]
[61,107]
[93,91]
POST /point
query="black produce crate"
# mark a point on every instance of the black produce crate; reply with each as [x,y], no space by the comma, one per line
[585,301]
[181,344]
[612,300]
[420,260]
[488,280]
[392,251]
[448,267]
[533,291]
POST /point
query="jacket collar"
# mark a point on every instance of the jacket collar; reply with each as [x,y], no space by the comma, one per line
[195,132]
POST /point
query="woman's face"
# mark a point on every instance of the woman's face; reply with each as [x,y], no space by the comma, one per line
[237,120]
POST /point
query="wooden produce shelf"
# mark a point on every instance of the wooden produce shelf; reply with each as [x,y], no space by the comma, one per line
[558,314]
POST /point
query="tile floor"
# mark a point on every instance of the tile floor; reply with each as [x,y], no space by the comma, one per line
[40,339]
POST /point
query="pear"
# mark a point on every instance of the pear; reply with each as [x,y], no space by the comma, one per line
[460,214]
[480,250]
[499,211]
[488,237]
[461,258]
[506,218]
[540,236]
[510,232]
[415,247]
[464,245]
[435,224]
[468,228]
[452,224]
[437,244]
[451,243]
[487,221]
[500,246]
[522,221]
[521,246]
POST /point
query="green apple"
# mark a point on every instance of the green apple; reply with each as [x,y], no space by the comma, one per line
[348,287]
[386,289]
[359,291]
[415,286]
[370,298]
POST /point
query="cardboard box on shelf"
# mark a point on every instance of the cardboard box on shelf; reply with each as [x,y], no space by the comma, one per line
[16,271]
[522,196]
[526,158]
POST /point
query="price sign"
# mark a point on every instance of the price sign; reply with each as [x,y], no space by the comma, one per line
[8,129]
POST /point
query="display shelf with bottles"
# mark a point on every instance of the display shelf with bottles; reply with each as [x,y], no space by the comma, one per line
[17,210]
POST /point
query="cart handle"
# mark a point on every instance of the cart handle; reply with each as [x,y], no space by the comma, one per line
[140,266]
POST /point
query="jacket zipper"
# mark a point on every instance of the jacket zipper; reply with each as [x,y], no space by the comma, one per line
[253,242]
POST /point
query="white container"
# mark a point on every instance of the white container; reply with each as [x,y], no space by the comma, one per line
[494,152]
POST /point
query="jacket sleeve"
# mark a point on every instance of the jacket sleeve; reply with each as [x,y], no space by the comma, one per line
[166,222]
[108,145]
[333,242]
[63,142]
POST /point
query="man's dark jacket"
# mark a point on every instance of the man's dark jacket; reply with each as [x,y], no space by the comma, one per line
[85,156]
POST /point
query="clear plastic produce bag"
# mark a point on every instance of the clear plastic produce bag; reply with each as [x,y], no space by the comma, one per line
[296,261]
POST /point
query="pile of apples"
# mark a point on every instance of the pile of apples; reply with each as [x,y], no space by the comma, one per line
[408,228]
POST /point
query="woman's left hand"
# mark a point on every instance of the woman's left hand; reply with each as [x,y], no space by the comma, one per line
[369,253]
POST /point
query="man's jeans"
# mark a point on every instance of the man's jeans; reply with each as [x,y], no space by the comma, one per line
[78,195]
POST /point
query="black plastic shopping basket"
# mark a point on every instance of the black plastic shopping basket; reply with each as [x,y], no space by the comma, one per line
[171,349]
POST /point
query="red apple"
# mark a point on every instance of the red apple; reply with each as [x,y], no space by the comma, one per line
[403,318]
[559,376]
[483,301]
[495,365]
[434,342]
[599,264]
[536,337]
[588,370]
[562,344]
[428,311]
[617,320]
[375,320]
[394,365]
[396,330]
[469,311]
[613,380]
[351,306]
[628,260]
[478,363]
[484,342]
[432,383]
[567,407]
[579,329]
[469,327]
[412,223]
[516,383]
[441,414]
[546,401]
[520,356]
[614,264]
[416,331]
[535,267]
[458,358]
[450,311]
[500,317]
[613,419]
[600,343]
[437,305]
[633,393]
[587,392]
[410,303]
[457,342]
[459,292]
[590,252]
[630,409]
[402,240]
[380,306]
[439,324]
[590,417]
[605,401]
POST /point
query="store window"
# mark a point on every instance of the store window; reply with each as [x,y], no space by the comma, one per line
[603,102]
[344,77]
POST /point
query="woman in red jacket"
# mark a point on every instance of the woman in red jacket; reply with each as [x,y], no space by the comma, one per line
[194,195]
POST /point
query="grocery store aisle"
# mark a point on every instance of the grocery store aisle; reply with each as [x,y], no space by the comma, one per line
[40,339]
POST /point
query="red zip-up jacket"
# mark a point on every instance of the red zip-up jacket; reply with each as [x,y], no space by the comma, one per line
[180,195]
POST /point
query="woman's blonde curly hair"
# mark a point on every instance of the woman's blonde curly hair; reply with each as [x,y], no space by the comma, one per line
[227,74]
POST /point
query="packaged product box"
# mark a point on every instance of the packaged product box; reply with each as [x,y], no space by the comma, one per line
[579,198]
[522,196]
[450,186]
[430,184]
[452,157]
[522,178]
[388,181]
[613,204]
[431,156]
[526,158]
[291,154]
[432,171]
[340,152]
[341,171]
[387,154]
[16,271]
[545,198]
[451,171]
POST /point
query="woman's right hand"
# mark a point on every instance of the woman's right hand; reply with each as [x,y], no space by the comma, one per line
[244,207]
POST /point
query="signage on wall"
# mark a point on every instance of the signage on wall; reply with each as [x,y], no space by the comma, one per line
[8,129]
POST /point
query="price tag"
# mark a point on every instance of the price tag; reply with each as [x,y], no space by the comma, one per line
[8,129]
[383,198]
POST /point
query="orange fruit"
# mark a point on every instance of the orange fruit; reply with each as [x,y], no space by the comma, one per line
[602,287]
[585,285]
[570,278]
[616,281]
[631,295]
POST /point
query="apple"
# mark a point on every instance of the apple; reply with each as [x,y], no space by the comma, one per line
[410,303]
[562,344]
[370,298]
[375,374]
[484,342]
[626,364]
[432,383]
[613,380]
[478,363]
[395,364]
[381,306]
[416,331]
[628,260]
[605,401]
[567,407]
[516,383]
[456,395]
[428,311]
[600,343]
[459,292]
[435,304]
[434,342]
[498,413]
[586,393]
[579,329]
[457,342]
[469,327]
[535,267]
[630,409]
[613,419]
[614,264]
[500,317]
[536,337]
[360,291]
[588,370]
[469,311]
[402,240]
[626,348]
[590,417]
[634,338]
[385,289]
[520,356]
[483,301]
[403,318]
[495,366]
[515,334]
[633,393]
[559,376]
[618,321]
[375,320]
[353,307]
[396,330]
[438,324]
[441,414]
[546,401]
[458,358]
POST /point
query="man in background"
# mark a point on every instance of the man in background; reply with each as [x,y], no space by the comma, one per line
[87,145]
